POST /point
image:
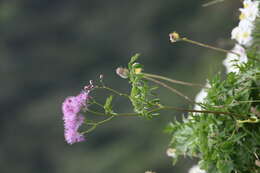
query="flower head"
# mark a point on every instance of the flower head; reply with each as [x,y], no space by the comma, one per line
[174,37]
[250,10]
[72,118]
[233,60]
[122,72]
[250,3]
[243,33]
[201,96]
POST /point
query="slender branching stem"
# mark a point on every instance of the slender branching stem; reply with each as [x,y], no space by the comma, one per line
[207,46]
[172,80]
[166,108]
[94,125]
[249,101]
[171,89]
[98,104]
[112,90]
[194,111]
[107,114]
[212,3]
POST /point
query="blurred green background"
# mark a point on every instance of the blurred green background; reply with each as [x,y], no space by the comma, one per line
[50,49]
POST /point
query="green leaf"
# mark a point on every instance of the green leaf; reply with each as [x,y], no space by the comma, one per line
[133,60]
[108,106]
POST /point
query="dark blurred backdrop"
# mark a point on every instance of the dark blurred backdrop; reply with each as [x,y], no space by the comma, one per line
[50,49]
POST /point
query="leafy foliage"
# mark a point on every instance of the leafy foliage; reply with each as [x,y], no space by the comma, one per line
[225,143]
[141,94]
[108,106]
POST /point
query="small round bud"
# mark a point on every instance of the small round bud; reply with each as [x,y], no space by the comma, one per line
[90,86]
[122,72]
[174,37]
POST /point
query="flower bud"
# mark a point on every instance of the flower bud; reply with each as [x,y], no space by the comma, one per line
[122,72]
[174,37]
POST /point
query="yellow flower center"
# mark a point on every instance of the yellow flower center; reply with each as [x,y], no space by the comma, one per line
[138,70]
[242,16]
[245,34]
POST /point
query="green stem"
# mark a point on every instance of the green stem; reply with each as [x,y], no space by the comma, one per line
[173,80]
[194,111]
[94,125]
[166,108]
[112,90]
[171,89]
[104,114]
[208,46]
[96,103]
[249,101]
[212,3]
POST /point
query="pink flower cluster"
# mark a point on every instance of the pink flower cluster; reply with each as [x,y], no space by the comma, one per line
[72,118]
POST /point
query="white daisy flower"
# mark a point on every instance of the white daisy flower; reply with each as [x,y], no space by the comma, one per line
[242,33]
[196,169]
[250,13]
[250,3]
[233,59]
[201,96]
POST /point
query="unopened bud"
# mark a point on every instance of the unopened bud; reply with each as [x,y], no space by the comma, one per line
[90,86]
[122,72]
[174,37]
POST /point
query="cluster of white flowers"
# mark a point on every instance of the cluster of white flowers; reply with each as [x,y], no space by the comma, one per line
[237,56]
[243,35]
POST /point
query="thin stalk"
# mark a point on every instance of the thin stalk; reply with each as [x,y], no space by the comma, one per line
[94,125]
[249,101]
[98,104]
[208,46]
[212,3]
[172,80]
[104,114]
[171,89]
[112,90]
[167,108]
[194,111]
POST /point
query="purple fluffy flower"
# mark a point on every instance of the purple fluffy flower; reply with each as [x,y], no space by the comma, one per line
[71,117]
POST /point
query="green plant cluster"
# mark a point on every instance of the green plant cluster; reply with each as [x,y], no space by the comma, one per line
[225,143]
[225,134]
[141,96]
